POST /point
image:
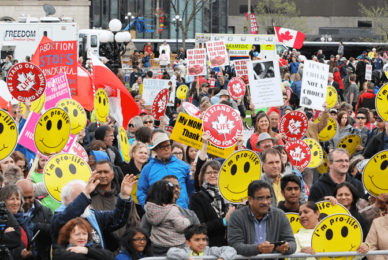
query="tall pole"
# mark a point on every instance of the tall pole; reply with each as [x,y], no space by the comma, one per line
[249,16]
[157,19]
[177,34]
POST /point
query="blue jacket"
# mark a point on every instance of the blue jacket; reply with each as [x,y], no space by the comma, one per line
[342,68]
[294,68]
[296,87]
[102,221]
[146,61]
[155,170]
[27,153]
[125,256]
[218,84]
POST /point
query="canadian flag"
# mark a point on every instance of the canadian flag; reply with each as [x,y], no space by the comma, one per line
[290,38]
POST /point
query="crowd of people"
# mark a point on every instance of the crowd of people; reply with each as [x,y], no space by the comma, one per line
[166,200]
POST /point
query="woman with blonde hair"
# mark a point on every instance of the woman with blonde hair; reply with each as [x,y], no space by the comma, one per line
[149,121]
[133,124]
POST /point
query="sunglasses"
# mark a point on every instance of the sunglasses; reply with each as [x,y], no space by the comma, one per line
[361,118]
[131,125]
[147,122]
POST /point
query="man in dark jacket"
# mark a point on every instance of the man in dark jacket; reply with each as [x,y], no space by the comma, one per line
[338,161]
[367,99]
[342,67]
[331,82]
[41,217]
[106,134]
[360,71]
[135,73]
[377,144]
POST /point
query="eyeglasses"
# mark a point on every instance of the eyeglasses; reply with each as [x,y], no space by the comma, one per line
[260,199]
[177,153]
[361,118]
[211,173]
[140,240]
[130,125]
[285,98]
[165,147]
[342,161]
[147,122]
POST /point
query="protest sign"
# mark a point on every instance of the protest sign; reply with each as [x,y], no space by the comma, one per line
[253,26]
[368,72]
[78,150]
[134,191]
[326,209]
[61,169]
[52,131]
[8,135]
[222,124]
[181,93]
[316,152]
[324,166]
[191,109]
[151,88]
[76,113]
[236,88]
[329,131]
[188,130]
[338,233]
[36,105]
[382,102]
[237,172]
[60,57]
[294,222]
[331,97]
[124,144]
[196,62]
[101,105]
[159,105]
[294,126]
[56,90]
[168,128]
[349,143]
[241,67]
[374,177]
[299,153]
[314,84]
[212,82]
[25,81]
[26,137]
[265,83]
[217,53]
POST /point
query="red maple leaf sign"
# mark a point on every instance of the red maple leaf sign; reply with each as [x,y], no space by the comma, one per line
[286,36]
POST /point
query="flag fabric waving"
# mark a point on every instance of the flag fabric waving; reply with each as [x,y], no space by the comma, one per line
[290,38]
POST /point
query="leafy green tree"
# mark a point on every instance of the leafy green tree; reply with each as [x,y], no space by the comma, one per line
[379,18]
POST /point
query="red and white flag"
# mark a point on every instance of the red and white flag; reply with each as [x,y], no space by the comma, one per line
[290,38]
[253,27]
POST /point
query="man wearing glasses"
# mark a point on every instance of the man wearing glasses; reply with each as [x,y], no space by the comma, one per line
[338,161]
[253,229]
[162,165]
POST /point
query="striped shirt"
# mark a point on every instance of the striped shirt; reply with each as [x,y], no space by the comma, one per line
[260,229]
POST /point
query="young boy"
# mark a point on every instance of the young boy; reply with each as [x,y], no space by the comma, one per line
[196,246]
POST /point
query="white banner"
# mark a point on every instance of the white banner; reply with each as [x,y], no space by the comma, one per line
[314,84]
[241,67]
[265,83]
[151,88]
[368,72]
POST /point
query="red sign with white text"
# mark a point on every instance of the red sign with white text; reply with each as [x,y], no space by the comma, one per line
[299,153]
[191,109]
[217,53]
[236,88]
[294,126]
[196,62]
[253,24]
[25,81]
[223,124]
[160,104]
[168,128]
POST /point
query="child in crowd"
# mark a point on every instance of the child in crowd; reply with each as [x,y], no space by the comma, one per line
[196,246]
[135,244]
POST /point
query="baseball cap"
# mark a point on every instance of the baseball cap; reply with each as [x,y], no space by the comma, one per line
[160,138]
[333,111]
[143,111]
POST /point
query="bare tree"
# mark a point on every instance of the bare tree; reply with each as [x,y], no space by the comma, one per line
[379,18]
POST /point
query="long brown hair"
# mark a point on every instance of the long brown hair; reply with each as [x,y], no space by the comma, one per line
[18,156]
[257,129]
[339,118]
[68,228]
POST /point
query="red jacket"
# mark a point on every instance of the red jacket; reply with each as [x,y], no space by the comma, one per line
[337,78]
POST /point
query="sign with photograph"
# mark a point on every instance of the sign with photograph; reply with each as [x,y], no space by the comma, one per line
[196,62]
[217,53]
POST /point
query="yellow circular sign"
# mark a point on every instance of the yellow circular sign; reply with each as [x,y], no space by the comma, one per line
[124,144]
[36,105]
[76,113]
[134,191]
[382,102]
[324,166]
[329,131]
[349,143]
[8,135]
[316,153]
[182,92]
[237,172]
[331,97]
[374,177]
[101,105]
[294,221]
[61,169]
[326,209]
[52,131]
[141,89]
[337,233]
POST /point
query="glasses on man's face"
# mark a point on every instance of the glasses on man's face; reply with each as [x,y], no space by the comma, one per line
[261,199]
[139,240]
[361,118]
[342,161]
[163,147]
[211,173]
[147,122]
[131,125]
[177,153]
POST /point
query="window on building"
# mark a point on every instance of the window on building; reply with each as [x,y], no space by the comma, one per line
[93,41]
[364,24]
[231,30]
[243,9]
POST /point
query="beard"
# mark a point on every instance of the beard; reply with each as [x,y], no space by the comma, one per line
[86,213]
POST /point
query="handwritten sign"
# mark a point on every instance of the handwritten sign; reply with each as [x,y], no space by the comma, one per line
[196,62]
[217,53]
[241,67]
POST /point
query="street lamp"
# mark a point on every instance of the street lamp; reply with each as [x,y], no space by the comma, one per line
[129,16]
[326,38]
[114,44]
[176,21]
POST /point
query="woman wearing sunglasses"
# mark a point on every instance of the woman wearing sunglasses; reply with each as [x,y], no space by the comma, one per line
[148,121]
[134,124]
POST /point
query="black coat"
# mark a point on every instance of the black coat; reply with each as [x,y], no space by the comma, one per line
[336,86]
[361,219]
[12,239]
[360,69]
[376,144]
[200,203]
[94,252]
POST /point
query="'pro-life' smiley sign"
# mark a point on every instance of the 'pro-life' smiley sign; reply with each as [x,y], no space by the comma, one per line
[375,174]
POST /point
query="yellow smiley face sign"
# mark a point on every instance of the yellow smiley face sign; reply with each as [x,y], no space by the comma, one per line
[101,105]
[316,153]
[324,166]
[237,172]
[141,89]
[182,92]
[337,233]
[36,105]
[382,102]
[8,135]
[134,191]
[294,221]
[326,209]
[331,97]
[76,113]
[329,131]
[375,174]
[349,143]
[124,144]
[61,169]
[52,131]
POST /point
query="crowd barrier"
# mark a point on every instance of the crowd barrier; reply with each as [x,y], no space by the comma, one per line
[333,255]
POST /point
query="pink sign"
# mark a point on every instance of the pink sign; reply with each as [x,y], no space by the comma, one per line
[196,62]
[78,150]
[191,109]
[217,53]
[56,90]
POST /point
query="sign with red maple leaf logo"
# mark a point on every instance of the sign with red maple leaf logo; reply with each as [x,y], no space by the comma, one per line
[159,105]
[236,88]
[223,124]
[294,126]
[191,109]
[26,81]
[299,153]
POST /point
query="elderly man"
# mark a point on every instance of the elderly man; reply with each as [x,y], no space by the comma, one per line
[251,229]
[75,197]
[162,165]
[264,142]
[40,216]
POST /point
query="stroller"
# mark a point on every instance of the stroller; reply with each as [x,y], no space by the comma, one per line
[379,78]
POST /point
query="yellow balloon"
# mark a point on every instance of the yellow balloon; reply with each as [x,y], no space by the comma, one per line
[294,222]
[326,209]
[349,143]
[324,166]
[182,92]
[382,102]
[8,135]
[76,113]
[124,144]
[101,105]
[316,153]
[237,172]
[331,97]
[374,177]
[36,105]
[329,131]
[337,233]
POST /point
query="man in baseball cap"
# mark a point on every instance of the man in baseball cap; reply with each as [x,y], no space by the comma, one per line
[143,112]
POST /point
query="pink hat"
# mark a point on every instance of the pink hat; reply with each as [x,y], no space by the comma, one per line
[143,111]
